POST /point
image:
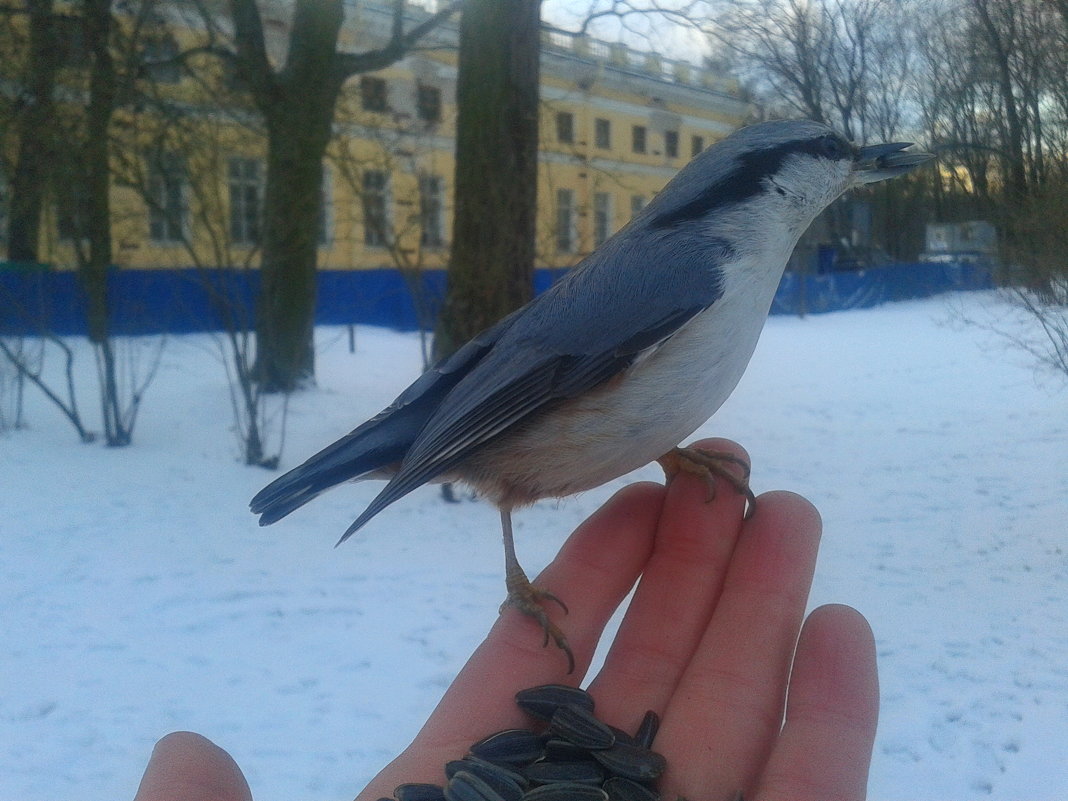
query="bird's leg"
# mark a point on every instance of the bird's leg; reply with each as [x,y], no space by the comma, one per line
[527,598]
[708,464]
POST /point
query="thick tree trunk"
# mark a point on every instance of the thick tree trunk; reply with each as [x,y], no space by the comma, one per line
[36,121]
[491,264]
[286,315]
[96,233]
[297,101]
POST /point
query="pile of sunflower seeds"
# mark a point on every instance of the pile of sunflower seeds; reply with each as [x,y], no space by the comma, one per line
[575,758]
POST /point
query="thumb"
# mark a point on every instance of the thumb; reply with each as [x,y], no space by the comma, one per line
[188,767]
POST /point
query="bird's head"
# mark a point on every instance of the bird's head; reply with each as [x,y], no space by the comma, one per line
[785,170]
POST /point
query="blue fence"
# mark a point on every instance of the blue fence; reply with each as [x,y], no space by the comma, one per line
[35,299]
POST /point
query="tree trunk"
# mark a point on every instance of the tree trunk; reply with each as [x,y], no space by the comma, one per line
[1001,43]
[95,261]
[298,135]
[297,102]
[35,124]
[491,265]
[96,231]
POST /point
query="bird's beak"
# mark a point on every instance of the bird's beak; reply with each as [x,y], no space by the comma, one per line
[879,162]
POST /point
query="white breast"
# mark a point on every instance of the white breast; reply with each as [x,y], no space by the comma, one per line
[635,418]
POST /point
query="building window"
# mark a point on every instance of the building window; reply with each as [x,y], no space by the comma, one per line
[431,211]
[246,200]
[637,139]
[565,127]
[602,217]
[671,144]
[159,60]
[602,133]
[637,203]
[697,144]
[168,212]
[565,220]
[326,209]
[428,103]
[375,197]
[373,95]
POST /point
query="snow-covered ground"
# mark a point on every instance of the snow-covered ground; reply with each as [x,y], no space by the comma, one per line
[139,596]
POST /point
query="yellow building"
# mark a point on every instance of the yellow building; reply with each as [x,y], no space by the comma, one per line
[616,124]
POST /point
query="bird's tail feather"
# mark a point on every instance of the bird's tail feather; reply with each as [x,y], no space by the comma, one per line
[375,445]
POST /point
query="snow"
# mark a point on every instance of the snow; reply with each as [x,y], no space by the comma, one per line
[139,596]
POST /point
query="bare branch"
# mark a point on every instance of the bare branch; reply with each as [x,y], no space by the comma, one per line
[349,64]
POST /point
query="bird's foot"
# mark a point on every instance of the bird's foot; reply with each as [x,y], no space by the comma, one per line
[708,464]
[531,600]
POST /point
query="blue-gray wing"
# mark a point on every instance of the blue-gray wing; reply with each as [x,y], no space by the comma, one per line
[584,330]
[380,442]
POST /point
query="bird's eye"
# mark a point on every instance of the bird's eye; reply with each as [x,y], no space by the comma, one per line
[833,147]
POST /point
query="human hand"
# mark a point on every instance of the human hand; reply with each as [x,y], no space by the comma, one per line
[710,642]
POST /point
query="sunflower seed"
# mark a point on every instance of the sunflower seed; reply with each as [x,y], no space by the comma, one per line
[509,747]
[566,791]
[578,726]
[419,792]
[557,750]
[582,772]
[631,762]
[647,730]
[622,736]
[620,789]
[466,786]
[506,783]
[541,702]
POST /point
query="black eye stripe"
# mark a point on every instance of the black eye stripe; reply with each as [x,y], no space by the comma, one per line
[746,180]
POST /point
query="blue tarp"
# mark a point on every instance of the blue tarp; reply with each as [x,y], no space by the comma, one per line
[37,299]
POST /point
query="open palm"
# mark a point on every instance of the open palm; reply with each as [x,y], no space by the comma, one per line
[751,701]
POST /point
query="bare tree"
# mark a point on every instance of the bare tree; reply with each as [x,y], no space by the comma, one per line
[413,239]
[1000,29]
[491,265]
[171,158]
[830,61]
[33,124]
[297,101]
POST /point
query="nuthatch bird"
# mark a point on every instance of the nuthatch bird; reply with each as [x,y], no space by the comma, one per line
[619,361]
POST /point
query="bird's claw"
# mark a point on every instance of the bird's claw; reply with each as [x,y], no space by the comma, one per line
[530,600]
[708,464]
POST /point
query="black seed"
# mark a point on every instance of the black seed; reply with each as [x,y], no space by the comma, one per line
[580,727]
[631,762]
[620,789]
[566,792]
[419,792]
[465,786]
[647,730]
[622,736]
[582,772]
[506,783]
[557,750]
[509,747]
[542,702]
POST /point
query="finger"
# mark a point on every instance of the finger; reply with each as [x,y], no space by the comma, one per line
[187,767]
[824,751]
[593,573]
[728,706]
[674,599]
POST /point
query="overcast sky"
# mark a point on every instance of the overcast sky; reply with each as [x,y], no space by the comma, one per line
[642,32]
